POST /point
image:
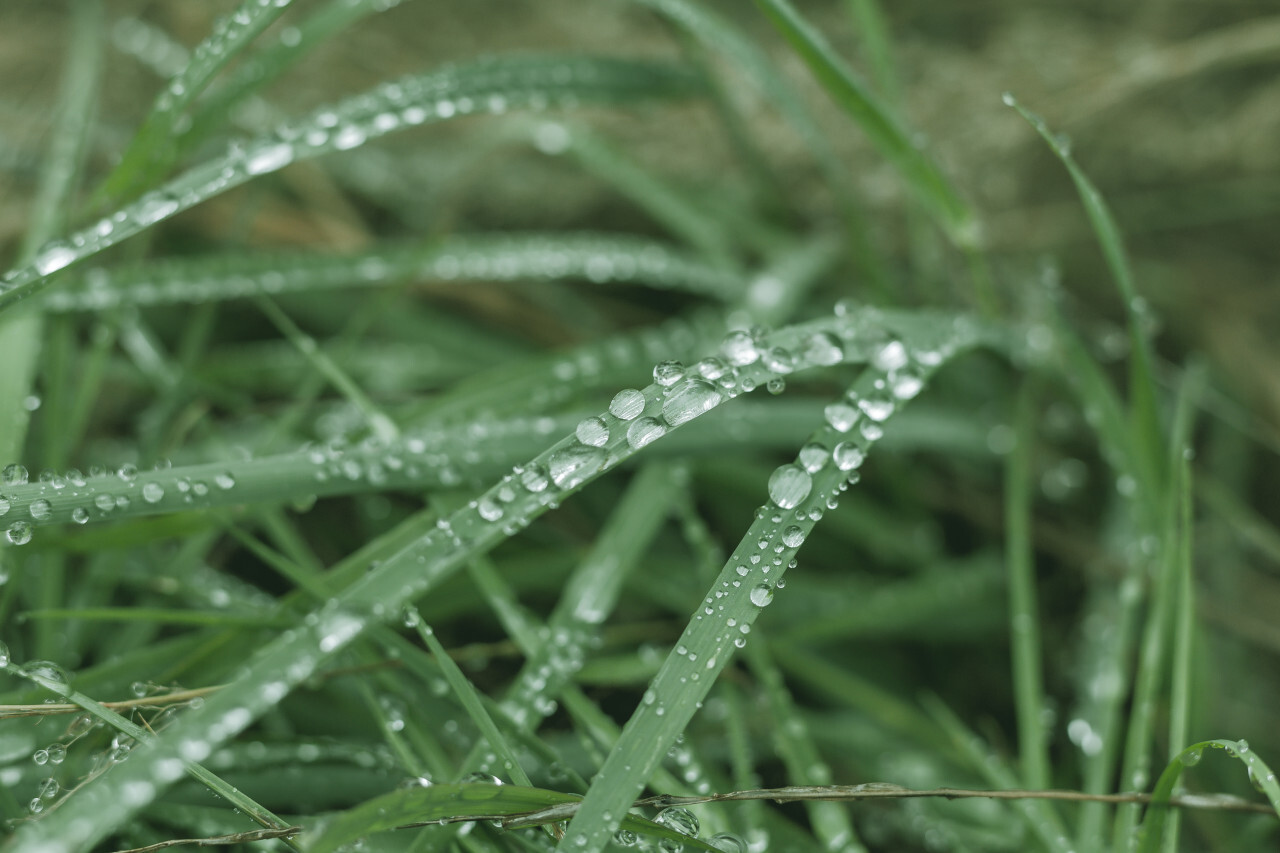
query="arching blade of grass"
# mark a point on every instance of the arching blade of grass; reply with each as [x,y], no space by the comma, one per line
[269,62]
[1147,434]
[598,258]
[1150,837]
[799,497]
[487,86]
[631,423]
[891,139]
[152,150]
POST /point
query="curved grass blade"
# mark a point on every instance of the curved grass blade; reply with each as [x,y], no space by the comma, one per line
[526,493]
[882,129]
[798,498]
[1152,830]
[1147,434]
[152,149]
[485,86]
[598,258]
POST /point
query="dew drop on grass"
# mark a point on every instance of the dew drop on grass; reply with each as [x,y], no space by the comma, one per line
[571,466]
[875,408]
[761,595]
[643,431]
[80,515]
[153,207]
[14,475]
[40,510]
[823,349]
[268,157]
[4,656]
[727,843]
[841,416]
[152,492]
[593,432]
[689,399]
[627,404]
[789,485]
[19,533]
[813,456]
[891,356]
[776,385]
[489,509]
[225,480]
[847,456]
[47,670]
[534,478]
[53,256]
[668,373]
[5,503]
[793,537]
[1191,757]
[740,348]
[681,820]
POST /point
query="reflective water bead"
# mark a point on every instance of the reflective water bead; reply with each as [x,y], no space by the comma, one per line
[627,404]
[779,360]
[789,485]
[14,475]
[841,416]
[793,537]
[740,348]
[643,431]
[668,373]
[761,595]
[47,670]
[813,456]
[53,256]
[5,503]
[225,480]
[152,492]
[19,533]
[534,478]
[823,349]
[891,356]
[726,842]
[689,399]
[40,510]
[4,656]
[876,408]
[593,432]
[776,385]
[681,820]
[571,466]
[871,431]
[905,385]
[847,456]
[711,368]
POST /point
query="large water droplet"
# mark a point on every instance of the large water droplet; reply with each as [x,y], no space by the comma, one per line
[627,404]
[847,455]
[14,475]
[53,256]
[841,416]
[593,432]
[152,492]
[689,399]
[644,430]
[40,510]
[681,820]
[793,537]
[761,595]
[876,408]
[571,466]
[739,347]
[268,158]
[19,533]
[789,485]
[813,456]
[534,478]
[891,356]
[668,373]
[47,670]
[153,207]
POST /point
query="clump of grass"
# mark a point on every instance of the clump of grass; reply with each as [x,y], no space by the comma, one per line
[292,461]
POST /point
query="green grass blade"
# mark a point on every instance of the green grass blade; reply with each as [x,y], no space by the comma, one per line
[1024,615]
[1147,433]
[487,86]
[882,129]
[1150,837]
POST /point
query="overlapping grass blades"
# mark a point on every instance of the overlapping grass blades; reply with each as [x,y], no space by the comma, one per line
[918,344]
[489,86]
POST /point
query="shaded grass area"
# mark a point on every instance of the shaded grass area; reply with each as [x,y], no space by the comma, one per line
[475,434]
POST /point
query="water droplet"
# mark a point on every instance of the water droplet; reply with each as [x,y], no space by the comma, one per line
[728,843]
[789,485]
[681,820]
[776,385]
[225,481]
[153,207]
[876,408]
[47,670]
[19,533]
[905,385]
[668,373]
[534,478]
[627,404]
[848,456]
[80,515]
[268,158]
[793,537]
[813,456]
[571,466]
[689,399]
[892,356]
[152,492]
[40,510]
[823,349]
[739,347]
[4,656]
[841,416]
[14,475]
[643,431]
[711,368]
[593,432]
[128,472]
[5,503]
[871,431]
[53,256]
[761,595]
[1191,757]
[779,360]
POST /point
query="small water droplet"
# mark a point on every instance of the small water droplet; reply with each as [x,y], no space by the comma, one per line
[813,456]
[225,480]
[841,416]
[14,475]
[19,533]
[268,158]
[688,400]
[789,485]
[40,510]
[534,478]
[47,670]
[793,537]
[53,256]
[739,347]
[681,820]
[152,492]
[761,595]
[668,373]
[1191,757]
[847,456]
